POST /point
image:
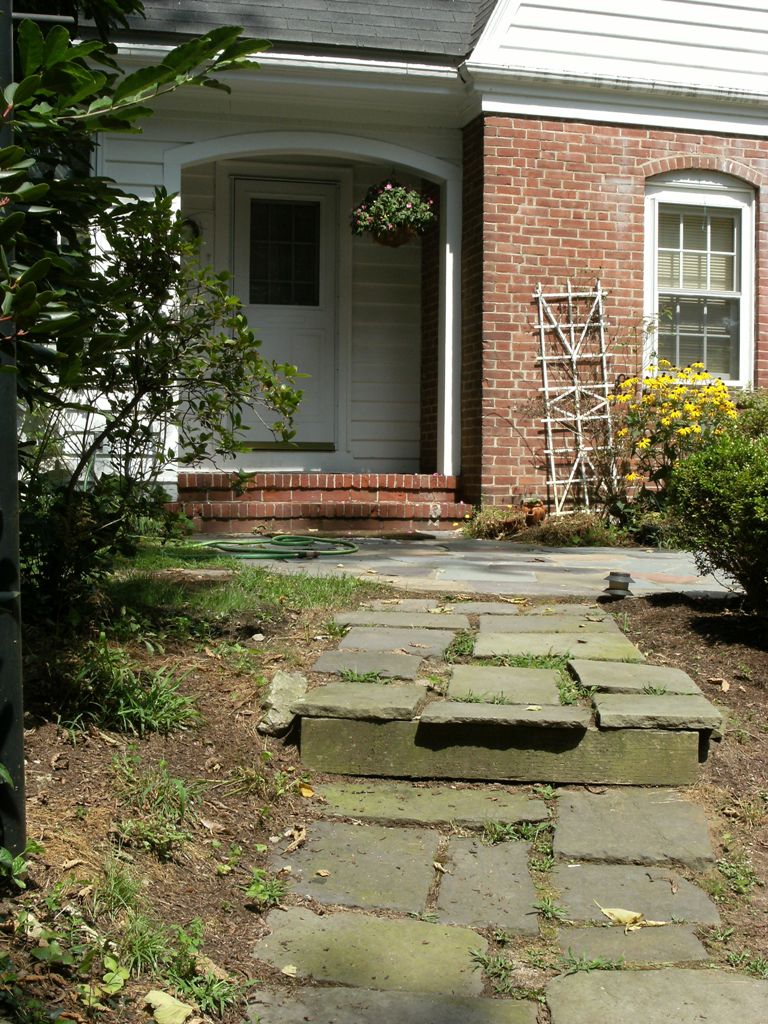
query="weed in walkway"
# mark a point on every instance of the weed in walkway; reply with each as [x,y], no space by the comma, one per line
[350,676]
[572,964]
[161,801]
[265,892]
[656,691]
[550,910]
[526,831]
[542,863]
[571,691]
[545,791]
[476,698]
[462,646]
[551,661]
[501,971]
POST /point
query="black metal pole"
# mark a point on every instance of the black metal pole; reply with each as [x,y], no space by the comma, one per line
[12,811]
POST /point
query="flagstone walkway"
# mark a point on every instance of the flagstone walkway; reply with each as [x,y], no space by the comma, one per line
[444,903]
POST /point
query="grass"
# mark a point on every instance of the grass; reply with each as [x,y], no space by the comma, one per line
[117,893]
[738,873]
[249,591]
[143,945]
[162,804]
[748,962]
[657,691]
[557,662]
[108,689]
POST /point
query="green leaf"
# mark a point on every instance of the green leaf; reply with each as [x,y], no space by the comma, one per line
[35,272]
[5,776]
[26,88]
[135,87]
[28,193]
[31,44]
[56,46]
[10,154]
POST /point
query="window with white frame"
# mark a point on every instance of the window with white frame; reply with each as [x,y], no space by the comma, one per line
[699,270]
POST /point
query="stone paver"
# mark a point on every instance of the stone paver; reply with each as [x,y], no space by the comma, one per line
[284,690]
[363,865]
[667,996]
[426,643]
[637,826]
[597,646]
[388,666]
[371,701]
[557,609]
[518,685]
[488,886]
[485,607]
[546,624]
[617,677]
[647,891]
[370,952]
[537,716]
[409,620]
[437,805]
[649,711]
[405,604]
[674,944]
[363,1006]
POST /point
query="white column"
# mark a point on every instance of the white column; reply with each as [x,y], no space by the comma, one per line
[449,330]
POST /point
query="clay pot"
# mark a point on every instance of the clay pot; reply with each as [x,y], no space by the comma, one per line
[396,237]
[535,514]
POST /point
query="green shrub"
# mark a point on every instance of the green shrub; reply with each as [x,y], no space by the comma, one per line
[581,528]
[719,498]
[752,407]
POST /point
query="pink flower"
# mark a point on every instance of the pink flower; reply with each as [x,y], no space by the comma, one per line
[409,206]
[388,186]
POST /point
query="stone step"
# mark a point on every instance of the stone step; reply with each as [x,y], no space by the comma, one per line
[386,665]
[656,711]
[483,750]
[535,716]
[618,677]
[546,624]
[425,643]
[372,701]
[364,1006]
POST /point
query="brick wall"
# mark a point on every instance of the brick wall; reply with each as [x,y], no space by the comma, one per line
[553,200]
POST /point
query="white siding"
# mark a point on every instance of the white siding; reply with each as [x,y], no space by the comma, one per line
[689,43]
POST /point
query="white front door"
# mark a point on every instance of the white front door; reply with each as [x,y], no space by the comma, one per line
[286,273]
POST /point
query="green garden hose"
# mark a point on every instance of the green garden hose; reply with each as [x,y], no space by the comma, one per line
[283,546]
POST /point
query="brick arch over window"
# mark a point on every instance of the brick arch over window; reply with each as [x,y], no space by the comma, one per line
[723,164]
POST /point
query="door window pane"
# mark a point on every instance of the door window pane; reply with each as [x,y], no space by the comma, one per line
[284,253]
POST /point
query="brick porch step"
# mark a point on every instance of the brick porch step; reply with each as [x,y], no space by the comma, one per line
[222,502]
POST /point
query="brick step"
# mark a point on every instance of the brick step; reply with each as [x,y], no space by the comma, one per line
[242,516]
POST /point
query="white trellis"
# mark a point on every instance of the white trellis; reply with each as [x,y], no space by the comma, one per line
[577,411]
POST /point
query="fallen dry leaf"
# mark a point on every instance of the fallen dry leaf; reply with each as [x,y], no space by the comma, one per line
[306,791]
[69,864]
[534,707]
[299,834]
[167,1009]
[439,867]
[630,919]
[323,873]
[291,970]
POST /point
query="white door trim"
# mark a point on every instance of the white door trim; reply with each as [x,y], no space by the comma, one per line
[228,173]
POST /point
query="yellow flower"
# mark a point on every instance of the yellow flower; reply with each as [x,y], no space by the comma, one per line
[632,476]
[622,432]
[643,443]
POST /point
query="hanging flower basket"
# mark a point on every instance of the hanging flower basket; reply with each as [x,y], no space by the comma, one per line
[393,213]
